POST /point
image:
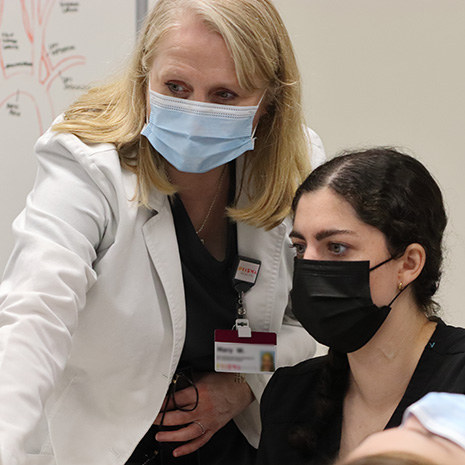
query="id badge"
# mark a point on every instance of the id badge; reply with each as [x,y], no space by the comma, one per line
[254,354]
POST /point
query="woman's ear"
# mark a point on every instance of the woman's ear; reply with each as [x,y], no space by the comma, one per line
[411,263]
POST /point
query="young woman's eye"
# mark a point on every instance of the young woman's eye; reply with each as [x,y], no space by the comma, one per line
[299,249]
[336,248]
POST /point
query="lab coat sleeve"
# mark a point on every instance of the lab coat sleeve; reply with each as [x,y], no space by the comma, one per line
[44,288]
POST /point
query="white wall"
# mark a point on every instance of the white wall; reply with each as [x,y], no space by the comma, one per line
[391,72]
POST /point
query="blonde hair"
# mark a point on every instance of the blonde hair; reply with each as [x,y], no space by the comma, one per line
[262,52]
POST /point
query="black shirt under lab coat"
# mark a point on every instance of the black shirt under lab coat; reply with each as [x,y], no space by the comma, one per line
[210,304]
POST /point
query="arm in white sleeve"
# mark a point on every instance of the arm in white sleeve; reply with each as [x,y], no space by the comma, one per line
[44,288]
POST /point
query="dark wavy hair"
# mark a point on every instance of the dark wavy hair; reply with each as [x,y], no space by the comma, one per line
[396,194]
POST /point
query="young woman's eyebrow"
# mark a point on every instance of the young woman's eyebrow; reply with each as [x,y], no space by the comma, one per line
[332,232]
[296,234]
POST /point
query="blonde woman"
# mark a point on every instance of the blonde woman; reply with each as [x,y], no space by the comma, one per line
[148,190]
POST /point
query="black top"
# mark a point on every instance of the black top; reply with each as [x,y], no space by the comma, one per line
[210,297]
[290,398]
[210,304]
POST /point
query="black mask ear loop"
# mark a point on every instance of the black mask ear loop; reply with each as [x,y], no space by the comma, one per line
[397,295]
[380,264]
[400,292]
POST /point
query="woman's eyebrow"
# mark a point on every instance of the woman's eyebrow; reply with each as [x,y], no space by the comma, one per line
[296,234]
[323,234]
[332,232]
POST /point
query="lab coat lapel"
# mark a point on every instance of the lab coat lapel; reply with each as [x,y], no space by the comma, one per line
[160,239]
[265,246]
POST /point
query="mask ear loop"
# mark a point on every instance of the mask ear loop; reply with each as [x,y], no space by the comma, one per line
[398,294]
[258,106]
[380,264]
[400,290]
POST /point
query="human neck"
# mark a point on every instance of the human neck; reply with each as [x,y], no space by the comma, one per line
[196,185]
[381,370]
[205,198]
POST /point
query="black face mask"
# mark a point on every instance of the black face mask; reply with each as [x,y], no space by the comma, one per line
[332,301]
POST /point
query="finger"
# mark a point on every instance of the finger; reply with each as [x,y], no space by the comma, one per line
[188,433]
[174,418]
[193,445]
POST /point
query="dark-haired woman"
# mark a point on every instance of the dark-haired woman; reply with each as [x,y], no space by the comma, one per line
[368,230]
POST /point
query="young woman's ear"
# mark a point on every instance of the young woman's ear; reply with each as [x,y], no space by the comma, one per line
[412,262]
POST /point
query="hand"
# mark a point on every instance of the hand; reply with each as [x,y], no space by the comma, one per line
[220,400]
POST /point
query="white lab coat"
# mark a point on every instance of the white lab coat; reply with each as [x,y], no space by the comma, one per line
[92,311]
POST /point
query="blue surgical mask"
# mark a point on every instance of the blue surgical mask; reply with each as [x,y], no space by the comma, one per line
[196,137]
[442,414]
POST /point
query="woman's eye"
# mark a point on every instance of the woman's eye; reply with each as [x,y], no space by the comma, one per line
[299,249]
[336,248]
[176,89]
[224,95]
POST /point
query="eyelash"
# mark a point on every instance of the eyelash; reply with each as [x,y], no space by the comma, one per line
[171,87]
[344,247]
[231,95]
[300,248]
[295,246]
[222,95]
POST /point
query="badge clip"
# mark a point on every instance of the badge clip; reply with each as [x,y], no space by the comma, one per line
[243,328]
[244,278]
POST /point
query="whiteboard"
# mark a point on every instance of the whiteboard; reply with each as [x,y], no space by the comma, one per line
[50,52]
